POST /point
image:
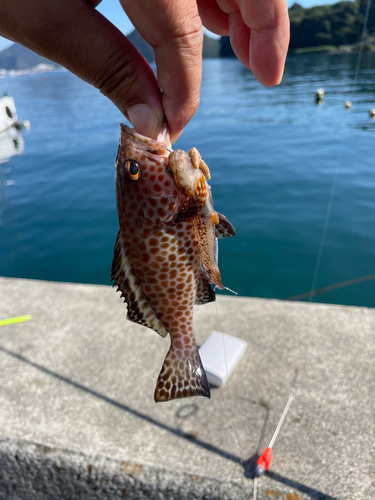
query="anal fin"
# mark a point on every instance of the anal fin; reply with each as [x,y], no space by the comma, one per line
[124,276]
[204,292]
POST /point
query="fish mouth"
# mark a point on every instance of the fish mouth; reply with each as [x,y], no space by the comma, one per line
[164,136]
[161,146]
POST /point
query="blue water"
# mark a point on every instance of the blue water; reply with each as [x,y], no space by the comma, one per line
[273,154]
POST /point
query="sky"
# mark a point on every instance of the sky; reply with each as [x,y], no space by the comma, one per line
[113,11]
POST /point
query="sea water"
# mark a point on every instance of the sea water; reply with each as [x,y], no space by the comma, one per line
[273,154]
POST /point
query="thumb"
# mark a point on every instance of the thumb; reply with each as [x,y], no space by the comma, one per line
[87,44]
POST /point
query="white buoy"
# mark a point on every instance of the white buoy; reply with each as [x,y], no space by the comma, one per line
[348,104]
[319,94]
[372,113]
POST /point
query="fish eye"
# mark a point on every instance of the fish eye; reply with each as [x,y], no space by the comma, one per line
[169,170]
[132,169]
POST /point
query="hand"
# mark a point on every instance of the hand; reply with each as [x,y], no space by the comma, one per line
[74,34]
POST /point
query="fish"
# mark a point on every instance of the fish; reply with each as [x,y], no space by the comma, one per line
[164,258]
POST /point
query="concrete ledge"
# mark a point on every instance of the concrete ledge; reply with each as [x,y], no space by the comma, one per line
[78,421]
[32,471]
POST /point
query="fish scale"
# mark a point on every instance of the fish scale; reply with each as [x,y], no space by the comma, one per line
[157,259]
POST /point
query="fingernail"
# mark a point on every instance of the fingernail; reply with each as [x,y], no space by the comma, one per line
[143,119]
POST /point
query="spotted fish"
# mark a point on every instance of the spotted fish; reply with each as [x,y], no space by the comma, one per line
[164,257]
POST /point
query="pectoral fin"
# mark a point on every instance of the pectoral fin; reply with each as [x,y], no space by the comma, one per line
[224,228]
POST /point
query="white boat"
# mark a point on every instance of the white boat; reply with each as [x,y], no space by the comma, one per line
[11,142]
[8,114]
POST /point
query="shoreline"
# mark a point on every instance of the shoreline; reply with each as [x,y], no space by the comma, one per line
[368,47]
[327,49]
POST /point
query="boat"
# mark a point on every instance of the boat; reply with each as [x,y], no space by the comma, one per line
[8,115]
[11,142]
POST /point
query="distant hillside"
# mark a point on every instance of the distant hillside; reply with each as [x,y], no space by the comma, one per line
[144,48]
[332,25]
[225,47]
[18,57]
[211,46]
[325,25]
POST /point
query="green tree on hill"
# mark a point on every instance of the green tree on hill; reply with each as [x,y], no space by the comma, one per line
[337,24]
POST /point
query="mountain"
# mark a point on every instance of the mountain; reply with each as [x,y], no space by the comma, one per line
[211,46]
[18,57]
[225,47]
[144,48]
[332,25]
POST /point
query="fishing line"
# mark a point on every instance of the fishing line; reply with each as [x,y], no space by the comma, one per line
[328,213]
[339,163]
[237,444]
[362,41]
[222,331]
[217,311]
[335,286]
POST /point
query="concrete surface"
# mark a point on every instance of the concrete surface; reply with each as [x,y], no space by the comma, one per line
[78,420]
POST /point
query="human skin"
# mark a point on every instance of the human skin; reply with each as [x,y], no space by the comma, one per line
[74,34]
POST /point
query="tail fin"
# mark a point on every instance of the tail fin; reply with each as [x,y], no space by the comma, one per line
[182,376]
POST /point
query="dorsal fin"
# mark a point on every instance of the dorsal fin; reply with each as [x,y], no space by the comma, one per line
[139,309]
[224,228]
[204,292]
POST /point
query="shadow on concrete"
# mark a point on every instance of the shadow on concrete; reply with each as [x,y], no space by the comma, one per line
[248,465]
[316,495]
